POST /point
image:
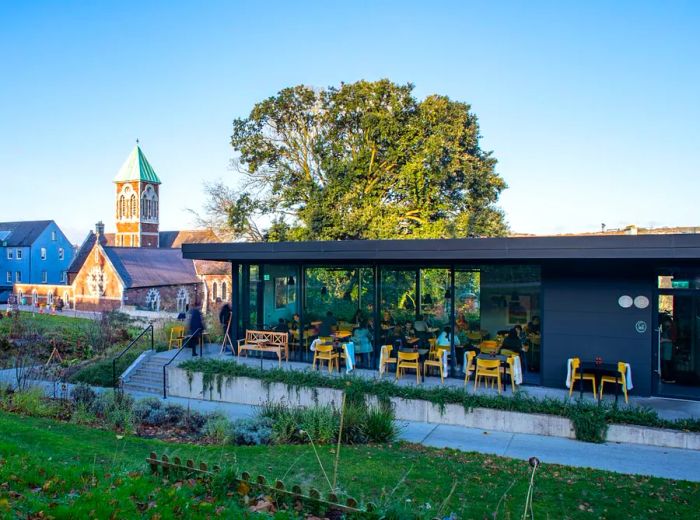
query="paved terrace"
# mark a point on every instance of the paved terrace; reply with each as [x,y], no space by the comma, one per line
[670,409]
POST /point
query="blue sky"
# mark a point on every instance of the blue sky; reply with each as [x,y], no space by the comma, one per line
[591,108]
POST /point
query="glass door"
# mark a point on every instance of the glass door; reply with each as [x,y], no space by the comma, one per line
[677,353]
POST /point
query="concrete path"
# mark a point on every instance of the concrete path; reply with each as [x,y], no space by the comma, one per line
[621,458]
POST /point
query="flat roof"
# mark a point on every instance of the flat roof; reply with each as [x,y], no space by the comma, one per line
[616,247]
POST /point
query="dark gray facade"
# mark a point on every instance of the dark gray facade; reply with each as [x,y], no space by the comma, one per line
[582,280]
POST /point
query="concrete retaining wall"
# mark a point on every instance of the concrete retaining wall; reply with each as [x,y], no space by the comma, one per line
[251,391]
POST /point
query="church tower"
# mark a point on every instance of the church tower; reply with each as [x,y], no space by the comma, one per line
[137,202]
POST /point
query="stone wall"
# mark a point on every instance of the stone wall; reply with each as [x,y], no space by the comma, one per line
[138,297]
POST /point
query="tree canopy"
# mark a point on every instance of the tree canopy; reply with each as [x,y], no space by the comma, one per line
[364,160]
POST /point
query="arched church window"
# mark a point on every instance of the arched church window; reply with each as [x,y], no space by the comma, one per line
[122,206]
[133,205]
[214,291]
[223,291]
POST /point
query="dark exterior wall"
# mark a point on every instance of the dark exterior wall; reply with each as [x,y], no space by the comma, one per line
[582,318]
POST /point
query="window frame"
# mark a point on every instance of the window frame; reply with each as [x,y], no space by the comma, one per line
[44,277]
[43,254]
[61,253]
[18,276]
[9,277]
[10,253]
[18,254]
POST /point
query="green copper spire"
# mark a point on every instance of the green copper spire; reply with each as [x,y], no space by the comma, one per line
[137,168]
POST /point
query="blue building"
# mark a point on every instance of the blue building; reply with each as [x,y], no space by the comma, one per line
[34,252]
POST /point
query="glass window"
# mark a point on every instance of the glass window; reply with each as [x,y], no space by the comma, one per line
[9,277]
[43,253]
[44,277]
[18,276]
[500,304]
[224,293]
[60,253]
[53,236]
[18,254]
[398,306]
[10,254]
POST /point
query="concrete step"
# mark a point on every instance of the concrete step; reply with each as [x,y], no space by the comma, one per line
[157,381]
[144,388]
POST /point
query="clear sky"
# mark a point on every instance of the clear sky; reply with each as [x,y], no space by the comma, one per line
[591,108]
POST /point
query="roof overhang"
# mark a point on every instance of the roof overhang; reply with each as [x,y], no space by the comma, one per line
[618,247]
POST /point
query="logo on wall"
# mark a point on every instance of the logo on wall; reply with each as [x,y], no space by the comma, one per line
[625,301]
[640,326]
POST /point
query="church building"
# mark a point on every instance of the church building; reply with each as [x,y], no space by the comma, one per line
[139,267]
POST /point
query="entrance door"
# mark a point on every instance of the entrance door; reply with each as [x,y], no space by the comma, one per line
[677,356]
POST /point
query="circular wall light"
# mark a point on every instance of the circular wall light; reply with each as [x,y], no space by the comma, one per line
[625,301]
[641,302]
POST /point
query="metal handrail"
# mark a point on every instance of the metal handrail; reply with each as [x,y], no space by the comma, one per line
[184,344]
[133,342]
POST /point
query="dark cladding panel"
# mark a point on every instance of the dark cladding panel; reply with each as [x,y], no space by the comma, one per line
[582,318]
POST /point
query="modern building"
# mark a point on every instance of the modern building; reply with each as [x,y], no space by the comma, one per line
[34,252]
[619,298]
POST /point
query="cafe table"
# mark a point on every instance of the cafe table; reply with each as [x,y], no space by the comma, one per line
[599,370]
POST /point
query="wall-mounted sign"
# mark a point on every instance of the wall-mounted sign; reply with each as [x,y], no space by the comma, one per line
[625,301]
[680,284]
[641,302]
[640,326]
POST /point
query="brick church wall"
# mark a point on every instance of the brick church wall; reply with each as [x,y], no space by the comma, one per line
[138,296]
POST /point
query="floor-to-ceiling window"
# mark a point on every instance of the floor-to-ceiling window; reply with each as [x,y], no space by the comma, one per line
[339,302]
[497,301]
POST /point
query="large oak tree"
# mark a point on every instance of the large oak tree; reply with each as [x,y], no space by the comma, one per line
[360,161]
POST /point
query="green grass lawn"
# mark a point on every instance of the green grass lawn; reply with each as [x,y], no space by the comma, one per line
[70,471]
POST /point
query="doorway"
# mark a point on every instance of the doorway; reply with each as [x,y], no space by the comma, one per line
[677,352]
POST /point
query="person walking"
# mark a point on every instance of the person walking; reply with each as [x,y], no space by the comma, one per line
[195,327]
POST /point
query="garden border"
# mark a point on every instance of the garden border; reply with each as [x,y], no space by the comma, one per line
[186,381]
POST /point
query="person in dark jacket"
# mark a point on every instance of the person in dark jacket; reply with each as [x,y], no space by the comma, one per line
[225,318]
[195,327]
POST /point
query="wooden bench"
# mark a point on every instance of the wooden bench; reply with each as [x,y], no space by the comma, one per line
[264,341]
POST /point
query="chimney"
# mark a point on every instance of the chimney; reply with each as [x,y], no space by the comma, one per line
[100,232]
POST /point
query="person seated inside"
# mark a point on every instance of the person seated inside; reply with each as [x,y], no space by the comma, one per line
[513,342]
[445,338]
[296,322]
[421,325]
[327,325]
[533,327]
[387,320]
[408,330]
[362,339]
[282,326]
[396,337]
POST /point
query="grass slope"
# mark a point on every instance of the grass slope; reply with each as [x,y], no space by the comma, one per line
[71,471]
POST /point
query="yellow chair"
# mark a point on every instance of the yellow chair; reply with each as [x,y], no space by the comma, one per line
[489,346]
[325,353]
[469,368]
[489,369]
[177,335]
[576,376]
[386,359]
[621,379]
[408,360]
[436,362]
